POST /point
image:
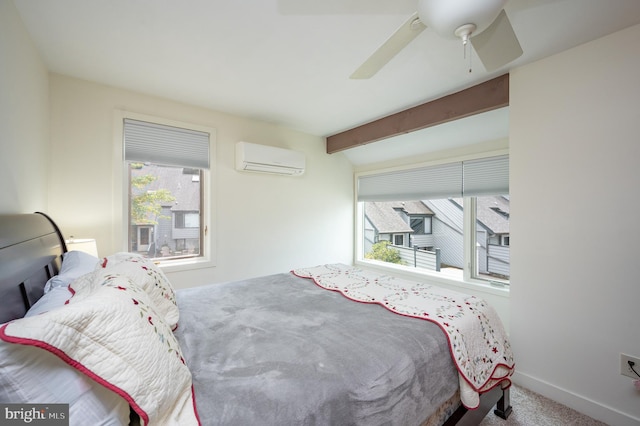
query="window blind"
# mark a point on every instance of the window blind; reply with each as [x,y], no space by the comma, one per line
[165,145]
[441,181]
[483,176]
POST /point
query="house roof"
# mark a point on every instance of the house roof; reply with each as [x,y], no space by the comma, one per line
[383,215]
[492,212]
[412,207]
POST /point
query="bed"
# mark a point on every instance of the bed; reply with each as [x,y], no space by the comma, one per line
[111,338]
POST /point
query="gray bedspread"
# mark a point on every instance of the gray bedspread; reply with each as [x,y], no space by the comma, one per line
[279,350]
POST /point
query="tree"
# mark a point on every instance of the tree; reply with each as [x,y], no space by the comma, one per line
[146,205]
[382,251]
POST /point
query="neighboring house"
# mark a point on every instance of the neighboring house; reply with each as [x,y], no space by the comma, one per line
[403,223]
[492,234]
[447,231]
[176,229]
[437,224]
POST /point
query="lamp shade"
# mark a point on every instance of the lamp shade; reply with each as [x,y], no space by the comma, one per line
[87,245]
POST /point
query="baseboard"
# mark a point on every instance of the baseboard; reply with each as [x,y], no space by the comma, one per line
[579,403]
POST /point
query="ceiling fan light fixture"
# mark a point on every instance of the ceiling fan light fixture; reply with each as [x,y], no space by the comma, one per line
[447,17]
[464,20]
[464,32]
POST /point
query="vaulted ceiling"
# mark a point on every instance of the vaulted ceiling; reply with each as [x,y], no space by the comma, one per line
[288,62]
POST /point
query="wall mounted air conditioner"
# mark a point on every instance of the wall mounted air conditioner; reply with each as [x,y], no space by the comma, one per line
[251,157]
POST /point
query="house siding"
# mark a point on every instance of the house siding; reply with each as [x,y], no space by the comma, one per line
[369,235]
[447,231]
[449,240]
[422,240]
[481,251]
[185,233]
[499,260]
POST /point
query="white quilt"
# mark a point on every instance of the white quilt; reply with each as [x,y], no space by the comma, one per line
[117,329]
[477,340]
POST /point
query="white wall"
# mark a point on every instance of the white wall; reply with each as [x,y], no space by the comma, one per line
[575,179]
[265,223]
[24,118]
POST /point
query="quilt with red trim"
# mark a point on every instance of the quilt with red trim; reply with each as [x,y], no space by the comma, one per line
[477,340]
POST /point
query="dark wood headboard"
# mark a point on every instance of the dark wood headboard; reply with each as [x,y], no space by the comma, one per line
[31,249]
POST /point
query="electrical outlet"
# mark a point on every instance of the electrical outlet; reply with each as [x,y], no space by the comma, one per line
[625,369]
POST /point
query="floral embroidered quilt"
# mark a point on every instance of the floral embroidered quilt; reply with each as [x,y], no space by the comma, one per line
[477,340]
[117,329]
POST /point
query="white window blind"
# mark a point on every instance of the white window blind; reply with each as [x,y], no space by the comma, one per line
[165,145]
[485,176]
[441,181]
[469,178]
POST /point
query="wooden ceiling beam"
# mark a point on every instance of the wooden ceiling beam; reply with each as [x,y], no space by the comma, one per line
[487,96]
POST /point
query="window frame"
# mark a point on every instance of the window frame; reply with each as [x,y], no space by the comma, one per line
[208,197]
[470,269]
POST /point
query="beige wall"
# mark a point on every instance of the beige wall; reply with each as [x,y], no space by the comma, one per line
[575,286]
[264,223]
[24,118]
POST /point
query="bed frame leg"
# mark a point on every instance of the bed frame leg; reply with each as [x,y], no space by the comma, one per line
[503,407]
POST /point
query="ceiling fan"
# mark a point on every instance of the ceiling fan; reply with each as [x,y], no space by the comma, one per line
[483,23]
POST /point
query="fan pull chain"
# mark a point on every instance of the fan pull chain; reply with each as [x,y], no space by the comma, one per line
[464,32]
[464,53]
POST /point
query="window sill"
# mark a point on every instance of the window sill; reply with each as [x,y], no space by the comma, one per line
[477,288]
[187,264]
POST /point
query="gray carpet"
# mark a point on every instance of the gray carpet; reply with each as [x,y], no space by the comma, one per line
[532,409]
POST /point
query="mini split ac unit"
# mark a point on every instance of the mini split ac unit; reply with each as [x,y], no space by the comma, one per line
[251,157]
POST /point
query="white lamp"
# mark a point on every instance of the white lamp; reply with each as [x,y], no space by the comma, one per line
[87,245]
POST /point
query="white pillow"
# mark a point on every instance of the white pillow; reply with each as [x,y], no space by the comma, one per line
[74,265]
[33,375]
[53,299]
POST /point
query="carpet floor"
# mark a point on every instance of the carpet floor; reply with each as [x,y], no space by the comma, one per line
[532,409]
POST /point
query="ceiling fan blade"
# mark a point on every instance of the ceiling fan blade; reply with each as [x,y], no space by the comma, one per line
[390,48]
[497,45]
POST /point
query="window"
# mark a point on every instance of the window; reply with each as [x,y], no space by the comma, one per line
[421,225]
[464,233]
[167,168]
[187,219]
